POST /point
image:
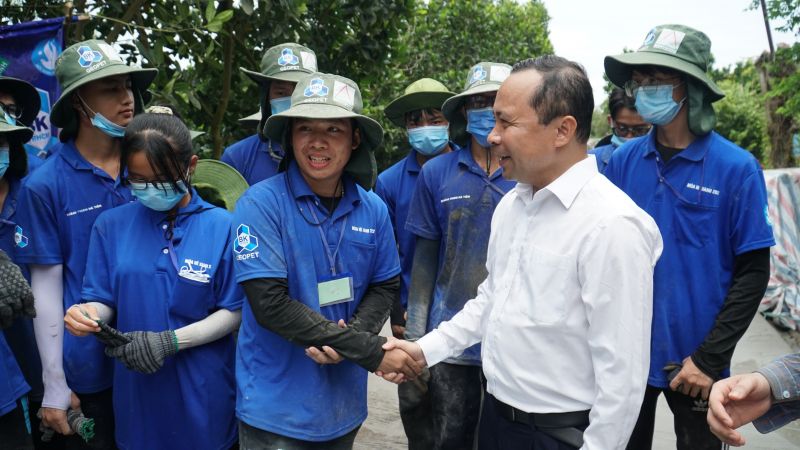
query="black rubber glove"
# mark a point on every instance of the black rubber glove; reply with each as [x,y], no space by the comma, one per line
[16,297]
[146,351]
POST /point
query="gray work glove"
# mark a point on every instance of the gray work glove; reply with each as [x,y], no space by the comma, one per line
[16,297]
[109,336]
[146,351]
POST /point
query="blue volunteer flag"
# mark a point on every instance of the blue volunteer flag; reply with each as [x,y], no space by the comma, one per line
[28,51]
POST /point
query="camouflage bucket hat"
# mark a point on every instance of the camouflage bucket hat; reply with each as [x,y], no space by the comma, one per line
[482,77]
[89,61]
[421,94]
[327,96]
[676,47]
[26,97]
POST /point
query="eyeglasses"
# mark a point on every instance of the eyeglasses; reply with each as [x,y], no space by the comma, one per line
[12,110]
[631,86]
[635,131]
[479,101]
[140,184]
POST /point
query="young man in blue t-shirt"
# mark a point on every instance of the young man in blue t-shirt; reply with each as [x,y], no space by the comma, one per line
[709,200]
[58,205]
[450,215]
[316,256]
[257,157]
[419,112]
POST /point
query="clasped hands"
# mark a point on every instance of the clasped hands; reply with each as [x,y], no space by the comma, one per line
[402,360]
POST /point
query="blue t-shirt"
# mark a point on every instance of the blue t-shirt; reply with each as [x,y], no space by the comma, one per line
[602,154]
[453,203]
[57,207]
[20,336]
[189,403]
[279,388]
[12,383]
[710,204]
[255,159]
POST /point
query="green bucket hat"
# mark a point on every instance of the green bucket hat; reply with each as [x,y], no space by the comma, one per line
[421,94]
[17,133]
[327,96]
[88,61]
[283,62]
[26,97]
[482,77]
[676,47]
[218,183]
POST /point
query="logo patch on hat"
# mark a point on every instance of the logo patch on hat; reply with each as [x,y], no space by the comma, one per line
[650,38]
[669,40]
[88,56]
[288,58]
[344,94]
[478,74]
[316,87]
[499,73]
[309,61]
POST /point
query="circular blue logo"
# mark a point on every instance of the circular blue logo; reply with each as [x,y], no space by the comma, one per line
[44,56]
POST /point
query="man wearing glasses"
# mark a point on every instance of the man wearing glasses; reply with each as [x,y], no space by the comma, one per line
[625,124]
[709,200]
[450,214]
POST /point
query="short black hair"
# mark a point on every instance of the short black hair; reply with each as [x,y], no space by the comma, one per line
[618,100]
[166,142]
[564,91]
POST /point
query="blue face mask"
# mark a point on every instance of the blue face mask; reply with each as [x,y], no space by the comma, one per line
[158,196]
[655,104]
[101,123]
[279,105]
[9,120]
[618,141]
[480,123]
[4,159]
[430,140]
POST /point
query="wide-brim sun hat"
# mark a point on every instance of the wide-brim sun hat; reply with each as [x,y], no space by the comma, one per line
[26,97]
[672,46]
[421,94]
[252,120]
[482,77]
[328,96]
[15,133]
[89,61]
[218,183]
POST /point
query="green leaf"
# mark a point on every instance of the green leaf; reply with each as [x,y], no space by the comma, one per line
[211,11]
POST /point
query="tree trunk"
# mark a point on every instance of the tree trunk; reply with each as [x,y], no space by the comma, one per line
[225,92]
[779,127]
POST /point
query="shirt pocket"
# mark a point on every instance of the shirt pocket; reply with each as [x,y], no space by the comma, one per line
[360,261]
[544,282]
[190,300]
[693,224]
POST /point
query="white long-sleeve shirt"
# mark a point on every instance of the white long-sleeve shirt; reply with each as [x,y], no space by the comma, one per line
[564,313]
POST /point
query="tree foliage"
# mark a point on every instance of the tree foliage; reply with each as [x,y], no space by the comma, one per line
[199,46]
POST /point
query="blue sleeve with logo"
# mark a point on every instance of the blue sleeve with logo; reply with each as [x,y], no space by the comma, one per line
[422,218]
[750,225]
[38,227]
[98,276]
[257,248]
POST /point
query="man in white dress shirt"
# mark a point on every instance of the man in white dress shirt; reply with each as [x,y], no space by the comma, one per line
[564,313]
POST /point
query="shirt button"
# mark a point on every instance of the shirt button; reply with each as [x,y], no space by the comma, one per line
[786,394]
[165,251]
[164,227]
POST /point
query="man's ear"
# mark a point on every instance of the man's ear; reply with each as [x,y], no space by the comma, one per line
[565,130]
[356,138]
[610,121]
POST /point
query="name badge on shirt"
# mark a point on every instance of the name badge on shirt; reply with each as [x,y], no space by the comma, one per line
[335,289]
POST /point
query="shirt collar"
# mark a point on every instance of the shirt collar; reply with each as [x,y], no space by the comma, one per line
[465,158]
[696,151]
[412,165]
[301,191]
[567,186]
[73,157]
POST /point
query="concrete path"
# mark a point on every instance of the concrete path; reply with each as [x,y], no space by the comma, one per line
[383,429]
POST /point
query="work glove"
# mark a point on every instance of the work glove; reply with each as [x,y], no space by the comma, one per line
[79,424]
[16,297]
[146,350]
[111,337]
